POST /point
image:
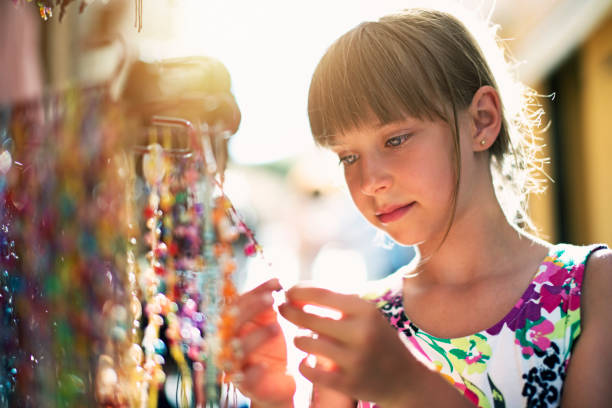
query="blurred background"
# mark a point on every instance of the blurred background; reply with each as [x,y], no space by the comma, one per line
[288,191]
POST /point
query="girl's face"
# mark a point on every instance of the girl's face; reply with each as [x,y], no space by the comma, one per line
[401,176]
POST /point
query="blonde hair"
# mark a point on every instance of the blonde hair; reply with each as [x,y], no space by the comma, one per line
[426,64]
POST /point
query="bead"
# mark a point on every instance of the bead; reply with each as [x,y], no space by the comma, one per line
[154,201]
[159,270]
[190,307]
[160,376]
[250,249]
[135,308]
[119,313]
[108,377]
[159,346]
[151,222]
[5,162]
[157,320]
[193,353]
[159,359]
[153,167]
[135,354]
[167,200]
[161,250]
[148,212]
[118,334]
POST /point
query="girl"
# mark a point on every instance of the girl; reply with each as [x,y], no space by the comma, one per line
[490,316]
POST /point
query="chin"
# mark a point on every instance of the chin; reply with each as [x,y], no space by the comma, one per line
[404,239]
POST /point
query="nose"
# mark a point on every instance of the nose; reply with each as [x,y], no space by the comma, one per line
[375,178]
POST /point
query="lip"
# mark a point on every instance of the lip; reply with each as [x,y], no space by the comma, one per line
[393,213]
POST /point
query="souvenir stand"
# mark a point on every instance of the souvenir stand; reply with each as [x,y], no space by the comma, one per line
[117,240]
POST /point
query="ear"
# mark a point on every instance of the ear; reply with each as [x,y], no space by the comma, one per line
[485,113]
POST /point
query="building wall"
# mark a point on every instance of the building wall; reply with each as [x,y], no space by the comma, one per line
[596,96]
[580,200]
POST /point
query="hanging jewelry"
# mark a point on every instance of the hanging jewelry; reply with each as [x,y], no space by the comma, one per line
[154,170]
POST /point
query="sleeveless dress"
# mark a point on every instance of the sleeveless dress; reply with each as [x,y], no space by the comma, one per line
[520,361]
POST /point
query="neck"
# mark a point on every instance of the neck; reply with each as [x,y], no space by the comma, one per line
[477,240]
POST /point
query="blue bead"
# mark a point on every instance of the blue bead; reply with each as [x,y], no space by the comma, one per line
[159,346]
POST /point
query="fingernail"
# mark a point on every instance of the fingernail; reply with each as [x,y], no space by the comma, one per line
[267,298]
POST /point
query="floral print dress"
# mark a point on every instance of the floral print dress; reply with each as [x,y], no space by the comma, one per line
[520,361]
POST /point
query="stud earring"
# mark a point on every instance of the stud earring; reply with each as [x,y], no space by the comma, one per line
[483,142]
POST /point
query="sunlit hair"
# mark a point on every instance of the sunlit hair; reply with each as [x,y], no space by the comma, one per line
[426,64]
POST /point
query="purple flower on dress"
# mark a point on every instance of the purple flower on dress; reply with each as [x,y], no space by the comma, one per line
[387,297]
[552,296]
[563,291]
[525,308]
[561,277]
[575,291]
[544,276]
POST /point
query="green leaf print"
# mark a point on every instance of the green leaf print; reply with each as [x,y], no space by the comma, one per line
[433,343]
[498,397]
[559,331]
[575,328]
[483,401]
[460,354]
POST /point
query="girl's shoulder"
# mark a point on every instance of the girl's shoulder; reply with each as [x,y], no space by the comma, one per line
[589,375]
[598,279]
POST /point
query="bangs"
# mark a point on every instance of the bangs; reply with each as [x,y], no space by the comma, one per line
[374,72]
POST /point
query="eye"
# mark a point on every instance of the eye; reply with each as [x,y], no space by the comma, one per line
[396,140]
[348,159]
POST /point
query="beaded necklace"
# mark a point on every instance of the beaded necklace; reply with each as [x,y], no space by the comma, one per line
[117,262]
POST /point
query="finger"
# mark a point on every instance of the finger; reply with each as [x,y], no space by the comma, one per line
[317,375]
[323,346]
[250,306]
[340,330]
[277,383]
[247,300]
[245,345]
[269,285]
[347,304]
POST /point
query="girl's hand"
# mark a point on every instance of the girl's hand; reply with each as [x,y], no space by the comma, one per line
[259,348]
[363,357]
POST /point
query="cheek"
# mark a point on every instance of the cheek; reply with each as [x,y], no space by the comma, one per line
[361,201]
[433,176]
[352,183]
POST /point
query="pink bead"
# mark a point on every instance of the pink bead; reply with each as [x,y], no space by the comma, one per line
[250,249]
[193,353]
[190,307]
